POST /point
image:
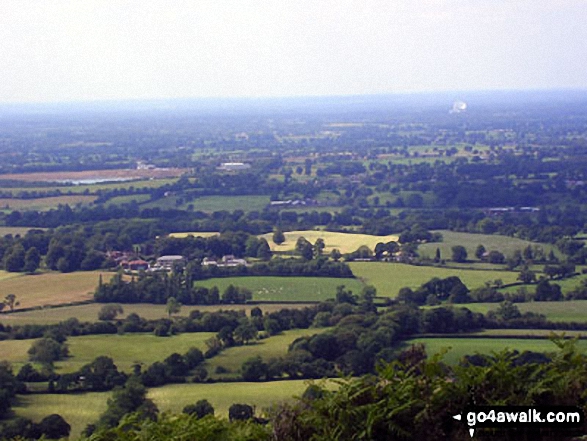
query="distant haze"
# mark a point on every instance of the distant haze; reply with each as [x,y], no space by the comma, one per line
[83,50]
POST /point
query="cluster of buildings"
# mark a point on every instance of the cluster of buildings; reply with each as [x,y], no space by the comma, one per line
[226,262]
[130,262]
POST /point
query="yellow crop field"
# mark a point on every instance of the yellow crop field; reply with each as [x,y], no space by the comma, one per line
[195,234]
[344,242]
[50,288]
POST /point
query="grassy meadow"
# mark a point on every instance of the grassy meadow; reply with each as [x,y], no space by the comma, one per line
[344,242]
[89,312]
[21,231]
[504,244]
[272,347]
[389,278]
[79,410]
[278,289]
[567,311]
[51,288]
[125,350]
[91,188]
[459,347]
[210,204]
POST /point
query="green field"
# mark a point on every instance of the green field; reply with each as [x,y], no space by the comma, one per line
[16,230]
[279,289]
[129,349]
[125,350]
[51,288]
[175,397]
[42,204]
[389,278]
[91,188]
[531,332]
[89,312]
[79,410]
[210,204]
[119,200]
[571,311]
[460,347]
[272,347]
[503,244]
[344,242]
[15,351]
[566,285]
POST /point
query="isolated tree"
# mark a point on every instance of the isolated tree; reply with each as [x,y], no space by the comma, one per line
[527,276]
[47,350]
[496,257]
[508,311]
[264,251]
[10,301]
[278,237]
[335,255]
[437,255]
[240,412]
[459,253]
[110,311]
[54,427]
[172,306]
[32,260]
[319,247]
[305,248]
[380,248]
[480,251]
[200,409]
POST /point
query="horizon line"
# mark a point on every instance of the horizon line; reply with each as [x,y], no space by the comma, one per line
[129,100]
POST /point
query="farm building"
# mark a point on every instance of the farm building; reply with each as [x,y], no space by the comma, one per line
[169,262]
[233,166]
[136,265]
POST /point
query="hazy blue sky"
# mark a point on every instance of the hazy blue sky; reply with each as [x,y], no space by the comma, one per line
[116,49]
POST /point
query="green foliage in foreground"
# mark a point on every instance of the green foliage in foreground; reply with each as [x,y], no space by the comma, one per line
[410,398]
[184,427]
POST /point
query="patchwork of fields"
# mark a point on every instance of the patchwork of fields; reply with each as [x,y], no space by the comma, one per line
[89,312]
